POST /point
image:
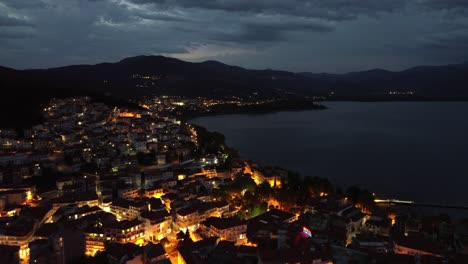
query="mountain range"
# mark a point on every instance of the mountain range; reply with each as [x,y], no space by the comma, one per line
[158,75]
[147,75]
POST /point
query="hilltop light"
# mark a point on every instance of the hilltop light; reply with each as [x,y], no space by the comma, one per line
[29,195]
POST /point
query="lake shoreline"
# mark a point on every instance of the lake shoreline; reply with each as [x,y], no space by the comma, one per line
[261,109]
[225,127]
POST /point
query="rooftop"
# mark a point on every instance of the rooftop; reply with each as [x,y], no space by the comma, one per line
[154,250]
[155,216]
[118,251]
[223,223]
[420,243]
[125,224]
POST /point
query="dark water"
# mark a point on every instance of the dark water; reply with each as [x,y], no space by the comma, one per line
[405,150]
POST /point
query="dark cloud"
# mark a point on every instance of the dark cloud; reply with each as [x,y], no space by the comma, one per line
[6,21]
[161,17]
[25,4]
[267,30]
[6,34]
[330,9]
[302,35]
[445,4]
[451,42]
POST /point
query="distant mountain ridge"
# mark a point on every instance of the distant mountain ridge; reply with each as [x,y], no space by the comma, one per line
[216,79]
[158,75]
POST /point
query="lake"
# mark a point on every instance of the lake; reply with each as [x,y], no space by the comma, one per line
[406,150]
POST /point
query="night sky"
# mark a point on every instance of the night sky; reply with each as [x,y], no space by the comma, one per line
[296,35]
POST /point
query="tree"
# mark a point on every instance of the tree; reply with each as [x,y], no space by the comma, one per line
[317,185]
[241,184]
[209,142]
[363,198]
[353,193]
[288,198]
[264,190]
[249,197]
[293,181]
[257,209]
[339,191]
[241,215]
[219,194]
[366,200]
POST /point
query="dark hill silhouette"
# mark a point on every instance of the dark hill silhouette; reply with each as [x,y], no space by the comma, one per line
[25,90]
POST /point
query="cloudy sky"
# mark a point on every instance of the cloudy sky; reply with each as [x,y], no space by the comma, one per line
[296,35]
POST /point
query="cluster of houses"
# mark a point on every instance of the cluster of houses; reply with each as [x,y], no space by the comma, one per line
[93,181]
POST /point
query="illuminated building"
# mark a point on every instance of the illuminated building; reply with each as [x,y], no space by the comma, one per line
[230,229]
[120,232]
[210,171]
[129,115]
[19,238]
[190,218]
[83,211]
[154,193]
[267,175]
[16,197]
[127,209]
[89,199]
[264,226]
[378,226]
[128,193]
[187,219]
[157,224]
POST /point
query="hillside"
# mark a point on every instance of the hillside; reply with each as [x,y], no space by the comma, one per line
[25,90]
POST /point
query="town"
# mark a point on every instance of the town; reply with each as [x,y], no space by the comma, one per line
[96,183]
